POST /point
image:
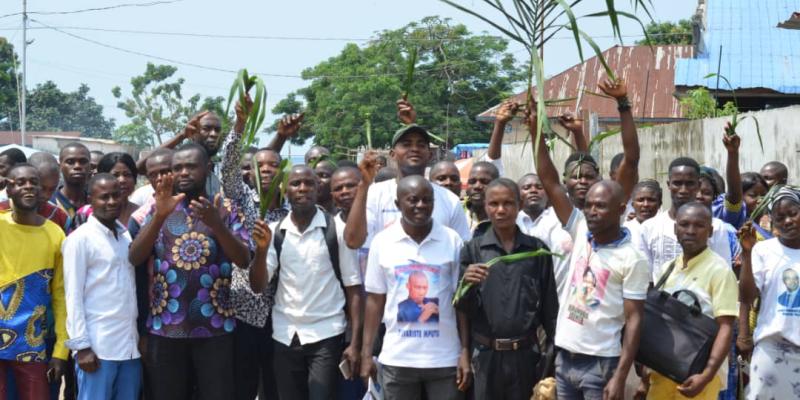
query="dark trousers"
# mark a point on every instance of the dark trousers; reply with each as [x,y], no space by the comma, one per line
[174,365]
[504,375]
[30,379]
[253,355]
[308,371]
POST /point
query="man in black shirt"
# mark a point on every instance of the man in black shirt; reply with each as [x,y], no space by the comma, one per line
[505,308]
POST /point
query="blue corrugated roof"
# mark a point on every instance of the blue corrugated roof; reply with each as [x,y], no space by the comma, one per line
[755,52]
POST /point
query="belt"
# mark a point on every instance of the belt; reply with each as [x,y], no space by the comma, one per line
[510,344]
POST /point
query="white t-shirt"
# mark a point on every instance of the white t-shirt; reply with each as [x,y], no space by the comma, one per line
[140,195]
[383,212]
[397,265]
[548,229]
[592,314]
[658,242]
[776,269]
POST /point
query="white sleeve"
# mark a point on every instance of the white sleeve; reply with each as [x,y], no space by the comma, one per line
[644,244]
[374,281]
[272,255]
[458,219]
[635,280]
[573,225]
[373,212]
[75,265]
[498,163]
[348,258]
[758,266]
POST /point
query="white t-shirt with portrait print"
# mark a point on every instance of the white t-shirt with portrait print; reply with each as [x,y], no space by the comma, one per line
[776,269]
[416,277]
[600,279]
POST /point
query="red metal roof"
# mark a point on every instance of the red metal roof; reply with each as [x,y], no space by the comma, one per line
[14,137]
[648,72]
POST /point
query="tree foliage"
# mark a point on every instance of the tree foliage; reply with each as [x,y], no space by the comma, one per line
[668,33]
[8,80]
[458,76]
[50,109]
[157,103]
[699,104]
[134,135]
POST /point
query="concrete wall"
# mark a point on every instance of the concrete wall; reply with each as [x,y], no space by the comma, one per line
[54,145]
[700,139]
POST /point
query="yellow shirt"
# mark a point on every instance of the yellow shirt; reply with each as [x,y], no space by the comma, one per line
[31,280]
[709,277]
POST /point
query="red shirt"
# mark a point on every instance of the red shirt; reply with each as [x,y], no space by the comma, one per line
[46,210]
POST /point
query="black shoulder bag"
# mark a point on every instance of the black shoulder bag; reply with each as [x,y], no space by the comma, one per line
[676,338]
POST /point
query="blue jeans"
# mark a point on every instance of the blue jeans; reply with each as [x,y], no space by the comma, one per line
[583,377]
[117,380]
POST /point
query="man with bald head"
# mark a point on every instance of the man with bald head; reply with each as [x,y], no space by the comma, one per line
[606,286]
[316,277]
[775,173]
[706,274]
[412,272]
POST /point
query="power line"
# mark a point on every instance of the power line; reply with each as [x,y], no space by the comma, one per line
[217,69]
[310,38]
[124,5]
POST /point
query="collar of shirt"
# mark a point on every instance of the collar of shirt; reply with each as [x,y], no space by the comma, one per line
[318,221]
[399,234]
[99,226]
[701,258]
[520,240]
[626,236]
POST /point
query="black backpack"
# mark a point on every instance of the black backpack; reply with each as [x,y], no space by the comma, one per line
[330,241]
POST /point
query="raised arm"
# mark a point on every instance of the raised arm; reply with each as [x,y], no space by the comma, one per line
[191,127]
[355,232]
[505,113]
[548,174]
[575,127]
[748,291]
[732,141]
[142,245]
[288,127]
[232,184]
[209,213]
[628,172]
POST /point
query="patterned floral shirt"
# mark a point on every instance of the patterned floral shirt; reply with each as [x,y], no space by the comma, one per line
[251,308]
[191,276]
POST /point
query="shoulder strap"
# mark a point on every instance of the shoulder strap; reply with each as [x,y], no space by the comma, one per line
[664,277]
[277,241]
[332,242]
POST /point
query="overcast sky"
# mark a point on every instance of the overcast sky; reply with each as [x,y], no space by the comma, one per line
[305,32]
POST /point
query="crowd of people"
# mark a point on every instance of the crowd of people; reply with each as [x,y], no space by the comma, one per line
[379,277]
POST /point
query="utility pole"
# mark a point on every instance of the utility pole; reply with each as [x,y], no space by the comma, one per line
[24,92]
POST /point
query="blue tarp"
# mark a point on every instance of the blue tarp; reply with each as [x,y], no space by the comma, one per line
[466,150]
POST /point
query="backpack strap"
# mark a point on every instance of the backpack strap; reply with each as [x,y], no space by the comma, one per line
[664,277]
[331,242]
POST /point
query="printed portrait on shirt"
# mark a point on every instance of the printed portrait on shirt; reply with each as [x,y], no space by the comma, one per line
[587,289]
[420,283]
[790,297]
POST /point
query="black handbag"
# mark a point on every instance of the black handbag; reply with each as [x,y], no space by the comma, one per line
[676,338]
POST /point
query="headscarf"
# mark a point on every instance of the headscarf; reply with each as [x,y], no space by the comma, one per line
[786,193]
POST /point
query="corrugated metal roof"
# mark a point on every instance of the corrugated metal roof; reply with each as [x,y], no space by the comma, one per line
[648,72]
[756,53]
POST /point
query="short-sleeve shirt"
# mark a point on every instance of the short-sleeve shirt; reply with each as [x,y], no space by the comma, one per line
[309,300]
[776,269]
[549,230]
[191,276]
[709,277]
[601,277]
[383,212]
[417,276]
[658,242]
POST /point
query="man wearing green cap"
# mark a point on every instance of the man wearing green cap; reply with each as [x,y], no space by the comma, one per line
[375,208]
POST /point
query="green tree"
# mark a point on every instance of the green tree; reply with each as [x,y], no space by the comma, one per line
[8,81]
[668,33]
[51,109]
[157,102]
[458,75]
[135,135]
[698,104]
